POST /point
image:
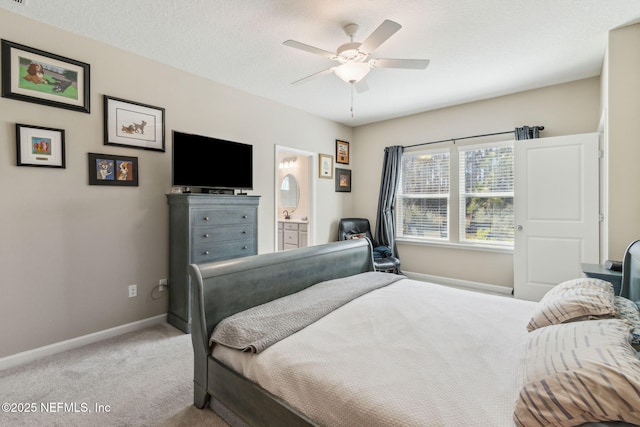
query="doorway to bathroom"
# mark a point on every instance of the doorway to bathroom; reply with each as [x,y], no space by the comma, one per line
[294,196]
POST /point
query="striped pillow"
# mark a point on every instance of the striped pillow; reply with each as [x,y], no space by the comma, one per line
[628,310]
[574,300]
[579,372]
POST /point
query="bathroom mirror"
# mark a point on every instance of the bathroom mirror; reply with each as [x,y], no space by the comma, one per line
[289,193]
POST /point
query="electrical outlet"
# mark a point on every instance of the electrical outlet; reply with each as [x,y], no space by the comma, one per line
[133,291]
[162,285]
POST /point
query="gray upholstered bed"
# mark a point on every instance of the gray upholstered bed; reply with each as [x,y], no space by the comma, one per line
[463,358]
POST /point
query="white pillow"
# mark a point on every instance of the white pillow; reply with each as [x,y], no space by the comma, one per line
[575,300]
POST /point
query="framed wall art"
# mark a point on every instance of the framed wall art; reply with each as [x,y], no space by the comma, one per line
[41,77]
[132,124]
[343,180]
[342,152]
[325,166]
[39,146]
[106,169]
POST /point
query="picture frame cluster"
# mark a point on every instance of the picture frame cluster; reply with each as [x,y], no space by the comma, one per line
[33,75]
[326,169]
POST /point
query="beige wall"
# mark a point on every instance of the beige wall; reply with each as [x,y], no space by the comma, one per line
[621,86]
[565,109]
[68,251]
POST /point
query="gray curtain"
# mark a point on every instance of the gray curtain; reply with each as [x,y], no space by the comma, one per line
[528,132]
[385,219]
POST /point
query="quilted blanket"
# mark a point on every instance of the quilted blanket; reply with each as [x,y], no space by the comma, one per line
[410,354]
[256,329]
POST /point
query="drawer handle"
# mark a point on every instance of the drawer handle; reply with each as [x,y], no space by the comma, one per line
[206,218]
[206,235]
[205,253]
[244,231]
[245,216]
[245,247]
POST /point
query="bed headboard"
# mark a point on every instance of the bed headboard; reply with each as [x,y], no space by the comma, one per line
[223,288]
[631,272]
[227,287]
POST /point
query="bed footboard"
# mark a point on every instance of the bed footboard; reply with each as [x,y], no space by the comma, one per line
[224,288]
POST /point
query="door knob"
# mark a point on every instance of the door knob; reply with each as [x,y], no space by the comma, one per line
[518,227]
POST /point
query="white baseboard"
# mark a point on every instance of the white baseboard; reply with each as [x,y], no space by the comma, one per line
[461,284]
[48,350]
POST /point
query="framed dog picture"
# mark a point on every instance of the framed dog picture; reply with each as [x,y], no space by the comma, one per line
[106,169]
[33,75]
[132,124]
[343,180]
[39,146]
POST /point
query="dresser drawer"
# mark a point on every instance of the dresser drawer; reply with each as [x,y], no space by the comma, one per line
[207,217]
[290,237]
[223,250]
[205,235]
[291,226]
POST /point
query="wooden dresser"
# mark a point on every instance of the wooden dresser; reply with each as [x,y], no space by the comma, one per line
[205,228]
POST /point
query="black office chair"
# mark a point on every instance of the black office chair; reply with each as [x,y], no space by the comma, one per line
[383,257]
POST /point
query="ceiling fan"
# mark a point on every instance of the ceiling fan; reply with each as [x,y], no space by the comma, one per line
[355,58]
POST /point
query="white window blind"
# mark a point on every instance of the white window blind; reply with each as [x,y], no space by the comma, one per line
[486,193]
[422,200]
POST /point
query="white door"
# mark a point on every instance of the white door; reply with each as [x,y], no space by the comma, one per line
[556,211]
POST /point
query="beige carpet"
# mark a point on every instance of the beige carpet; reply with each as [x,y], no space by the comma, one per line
[143,378]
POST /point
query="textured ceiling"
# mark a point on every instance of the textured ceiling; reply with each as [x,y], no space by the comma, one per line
[478,49]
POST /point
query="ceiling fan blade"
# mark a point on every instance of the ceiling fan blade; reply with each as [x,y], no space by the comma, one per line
[413,64]
[313,76]
[310,49]
[361,86]
[379,36]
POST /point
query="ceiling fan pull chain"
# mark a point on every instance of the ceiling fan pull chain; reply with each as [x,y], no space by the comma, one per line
[352,87]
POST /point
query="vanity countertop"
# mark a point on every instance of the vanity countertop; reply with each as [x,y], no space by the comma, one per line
[297,221]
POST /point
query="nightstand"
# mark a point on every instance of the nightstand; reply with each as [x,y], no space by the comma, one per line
[597,271]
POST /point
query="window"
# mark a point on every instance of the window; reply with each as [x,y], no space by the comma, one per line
[478,177]
[423,195]
[486,194]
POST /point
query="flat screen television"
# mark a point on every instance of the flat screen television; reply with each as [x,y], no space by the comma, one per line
[210,163]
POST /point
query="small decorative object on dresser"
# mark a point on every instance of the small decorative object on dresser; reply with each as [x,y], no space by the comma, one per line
[205,228]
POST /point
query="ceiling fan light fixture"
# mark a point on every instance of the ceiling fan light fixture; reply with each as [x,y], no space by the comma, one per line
[352,72]
[350,52]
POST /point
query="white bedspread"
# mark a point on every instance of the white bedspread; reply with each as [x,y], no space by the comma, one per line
[410,354]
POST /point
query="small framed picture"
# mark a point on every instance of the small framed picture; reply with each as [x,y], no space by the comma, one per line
[325,166]
[39,146]
[33,75]
[106,169]
[134,125]
[342,152]
[343,180]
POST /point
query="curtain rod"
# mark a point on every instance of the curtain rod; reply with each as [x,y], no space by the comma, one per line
[467,137]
